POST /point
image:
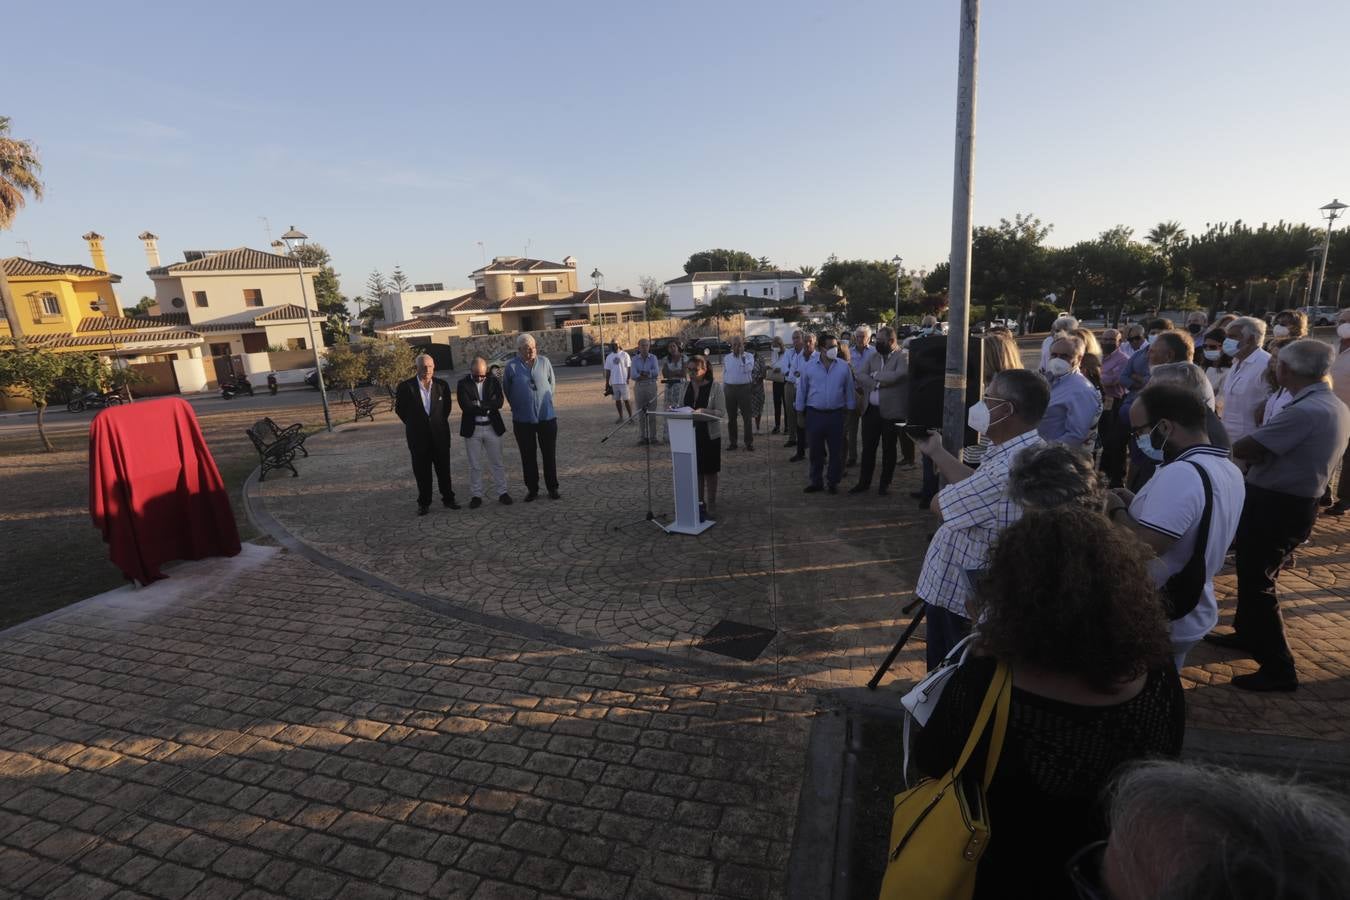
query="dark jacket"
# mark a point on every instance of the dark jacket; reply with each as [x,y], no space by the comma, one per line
[493,397]
[418,426]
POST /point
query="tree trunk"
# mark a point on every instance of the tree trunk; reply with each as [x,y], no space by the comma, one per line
[42,432]
[11,307]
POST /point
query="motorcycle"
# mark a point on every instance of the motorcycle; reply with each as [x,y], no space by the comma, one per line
[93,400]
[272,384]
[229,389]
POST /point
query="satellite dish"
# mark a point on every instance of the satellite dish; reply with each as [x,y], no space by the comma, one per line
[177,302]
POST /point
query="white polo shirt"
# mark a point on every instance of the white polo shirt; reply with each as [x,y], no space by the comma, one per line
[617,364]
[1244,392]
[1171,503]
[738,369]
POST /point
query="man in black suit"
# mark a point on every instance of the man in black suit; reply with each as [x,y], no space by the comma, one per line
[423,403]
[480,402]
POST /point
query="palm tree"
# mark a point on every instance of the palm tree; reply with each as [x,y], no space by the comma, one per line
[19,166]
[807,271]
[1166,238]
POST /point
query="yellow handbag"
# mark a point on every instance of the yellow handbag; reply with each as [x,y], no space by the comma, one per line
[940,827]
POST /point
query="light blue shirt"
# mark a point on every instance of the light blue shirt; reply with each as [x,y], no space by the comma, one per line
[649,367]
[1138,365]
[529,390]
[822,388]
[1075,406]
[860,357]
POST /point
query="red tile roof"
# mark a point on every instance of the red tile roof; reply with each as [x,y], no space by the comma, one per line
[237,260]
[421,323]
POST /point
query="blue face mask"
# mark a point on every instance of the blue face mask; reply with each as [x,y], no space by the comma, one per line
[1145,447]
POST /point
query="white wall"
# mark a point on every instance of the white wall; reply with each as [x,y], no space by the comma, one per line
[191,374]
[399,306]
[686,297]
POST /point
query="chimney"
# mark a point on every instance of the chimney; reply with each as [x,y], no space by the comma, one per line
[151,248]
[570,262]
[96,250]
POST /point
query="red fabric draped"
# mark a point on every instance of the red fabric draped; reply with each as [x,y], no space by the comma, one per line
[154,490]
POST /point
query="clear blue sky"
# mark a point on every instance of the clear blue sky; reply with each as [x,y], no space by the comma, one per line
[630,134]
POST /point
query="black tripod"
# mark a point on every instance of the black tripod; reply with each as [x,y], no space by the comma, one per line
[651,516]
[899,645]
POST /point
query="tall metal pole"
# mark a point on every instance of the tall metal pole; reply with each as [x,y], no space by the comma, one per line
[898,263]
[1333,210]
[314,345]
[963,190]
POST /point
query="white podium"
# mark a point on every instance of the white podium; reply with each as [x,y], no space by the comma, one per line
[684,471]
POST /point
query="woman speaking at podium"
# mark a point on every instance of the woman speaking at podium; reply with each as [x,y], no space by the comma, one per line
[704,395]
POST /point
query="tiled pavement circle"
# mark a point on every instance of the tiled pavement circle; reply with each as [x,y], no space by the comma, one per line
[270,726]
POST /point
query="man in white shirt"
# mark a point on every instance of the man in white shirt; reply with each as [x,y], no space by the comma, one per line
[1340,384]
[788,364]
[859,354]
[617,366]
[1245,389]
[1063,325]
[738,369]
[799,362]
[1168,511]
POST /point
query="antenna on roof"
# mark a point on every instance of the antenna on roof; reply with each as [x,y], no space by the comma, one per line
[27,247]
[483,250]
[527,248]
[267,226]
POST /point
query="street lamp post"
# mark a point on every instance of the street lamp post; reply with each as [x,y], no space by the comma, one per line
[294,240]
[897,260]
[1312,275]
[597,279]
[1331,212]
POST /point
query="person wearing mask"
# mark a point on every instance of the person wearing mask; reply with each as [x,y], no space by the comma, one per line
[999,353]
[1063,325]
[803,359]
[858,355]
[423,403]
[974,508]
[704,395]
[1068,607]
[884,385]
[528,384]
[1196,322]
[1137,375]
[1216,364]
[738,373]
[824,395]
[788,364]
[1164,348]
[1134,340]
[757,392]
[1192,378]
[618,367]
[675,377]
[1111,431]
[1245,389]
[1289,460]
[644,373]
[1196,487]
[1279,398]
[776,357]
[1195,832]
[1290,323]
[1075,404]
[1340,383]
[480,402]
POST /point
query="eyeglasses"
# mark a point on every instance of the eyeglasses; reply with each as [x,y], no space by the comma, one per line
[1144,430]
[1085,872]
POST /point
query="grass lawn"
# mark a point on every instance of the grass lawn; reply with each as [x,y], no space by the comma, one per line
[52,554]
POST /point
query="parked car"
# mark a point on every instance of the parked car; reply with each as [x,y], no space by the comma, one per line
[589,357]
[758,342]
[660,347]
[710,346]
[497,364]
[1320,315]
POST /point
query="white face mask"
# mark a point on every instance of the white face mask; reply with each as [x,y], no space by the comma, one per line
[1059,367]
[978,417]
[1152,339]
[1230,346]
[832,353]
[1343,331]
[1280,331]
[1213,355]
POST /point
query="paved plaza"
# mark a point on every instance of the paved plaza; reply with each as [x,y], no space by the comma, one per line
[502,702]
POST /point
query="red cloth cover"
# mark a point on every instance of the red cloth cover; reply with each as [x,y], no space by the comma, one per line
[154,490]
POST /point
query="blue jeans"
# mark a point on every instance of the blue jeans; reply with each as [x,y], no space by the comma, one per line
[825,427]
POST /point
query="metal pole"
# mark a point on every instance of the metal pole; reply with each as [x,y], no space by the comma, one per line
[1322,269]
[896,320]
[1340,283]
[314,345]
[963,190]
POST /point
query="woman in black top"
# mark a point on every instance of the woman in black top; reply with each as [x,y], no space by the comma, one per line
[705,395]
[1069,605]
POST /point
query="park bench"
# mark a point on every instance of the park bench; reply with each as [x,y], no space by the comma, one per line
[295,432]
[274,451]
[364,405]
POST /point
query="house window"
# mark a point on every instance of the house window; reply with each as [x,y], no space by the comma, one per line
[527,323]
[199,297]
[548,285]
[220,349]
[479,327]
[519,286]
[296,344]
[633,316]
[252,297]
[768,292]
[51,306]
[605,318]
[255,342]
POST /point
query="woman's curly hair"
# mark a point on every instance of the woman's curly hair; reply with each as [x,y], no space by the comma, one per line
[1056,475]
[1069,592]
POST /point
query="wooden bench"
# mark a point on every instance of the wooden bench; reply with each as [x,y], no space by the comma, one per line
[274,452]
[294,432]
[364,405]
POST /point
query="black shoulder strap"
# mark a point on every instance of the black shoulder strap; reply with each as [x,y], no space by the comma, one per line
[1202,536]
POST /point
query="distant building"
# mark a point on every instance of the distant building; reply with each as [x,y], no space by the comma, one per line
[422,300]
[768,288]
[512,294]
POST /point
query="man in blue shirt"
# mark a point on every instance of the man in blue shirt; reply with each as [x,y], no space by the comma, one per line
[802,359]
[528,381]
[645,372]
[824,394]
[1075,403]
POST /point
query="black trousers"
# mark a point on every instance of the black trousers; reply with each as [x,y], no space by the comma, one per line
[778,388]
[1114,435]
[945,629]
[1271,527]
[876,430]
[543,438]
[430,455]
